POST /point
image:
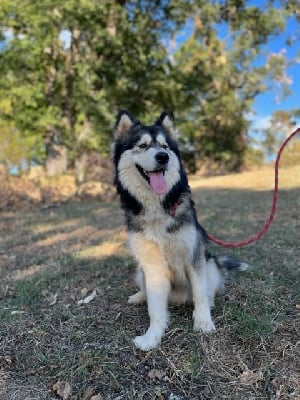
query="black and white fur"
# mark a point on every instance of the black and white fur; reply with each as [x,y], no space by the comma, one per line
[164,234]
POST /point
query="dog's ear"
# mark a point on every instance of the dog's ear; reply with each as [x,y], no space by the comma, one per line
[123,124]
[166,121]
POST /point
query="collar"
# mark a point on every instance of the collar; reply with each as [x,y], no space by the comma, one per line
[173,208]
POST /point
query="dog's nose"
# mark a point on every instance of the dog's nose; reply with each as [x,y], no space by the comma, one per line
[162,157]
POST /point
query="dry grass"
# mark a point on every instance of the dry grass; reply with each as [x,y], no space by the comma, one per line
[51,258]
[262,179]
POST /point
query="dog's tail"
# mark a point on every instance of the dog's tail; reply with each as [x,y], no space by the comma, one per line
[221,269]
[230,266]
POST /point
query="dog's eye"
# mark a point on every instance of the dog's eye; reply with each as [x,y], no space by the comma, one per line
[165,146]
[143,145]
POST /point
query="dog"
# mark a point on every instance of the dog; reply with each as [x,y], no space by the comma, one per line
[164,235]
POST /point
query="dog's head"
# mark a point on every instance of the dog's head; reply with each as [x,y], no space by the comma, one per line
[146,157]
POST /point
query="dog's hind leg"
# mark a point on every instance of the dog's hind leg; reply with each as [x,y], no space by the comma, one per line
[140,296]
[201,297]
[157,283]
[137,298]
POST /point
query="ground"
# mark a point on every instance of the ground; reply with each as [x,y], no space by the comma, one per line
[52,346]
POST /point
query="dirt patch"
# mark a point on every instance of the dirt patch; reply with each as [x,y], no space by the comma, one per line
[35,190]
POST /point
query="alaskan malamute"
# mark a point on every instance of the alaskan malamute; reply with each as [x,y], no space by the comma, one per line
[165,236]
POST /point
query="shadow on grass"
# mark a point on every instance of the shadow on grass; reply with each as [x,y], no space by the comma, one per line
[50,259]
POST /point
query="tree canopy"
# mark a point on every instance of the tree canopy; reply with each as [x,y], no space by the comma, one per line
[67,67]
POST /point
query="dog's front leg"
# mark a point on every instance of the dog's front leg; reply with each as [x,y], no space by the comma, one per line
[157,289]
[157,283]
[200,288]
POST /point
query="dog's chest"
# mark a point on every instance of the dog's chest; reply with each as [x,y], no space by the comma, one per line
[155,225]
[175,244]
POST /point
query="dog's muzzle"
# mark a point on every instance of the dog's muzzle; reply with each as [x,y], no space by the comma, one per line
[156,178]
[162,158]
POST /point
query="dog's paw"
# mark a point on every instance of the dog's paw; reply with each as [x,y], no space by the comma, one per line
[146,342]
[204,325]
[137,298]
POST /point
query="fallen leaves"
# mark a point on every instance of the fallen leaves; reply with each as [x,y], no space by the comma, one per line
[96,397]
[90,394]
[249,377]
[88,298]
[156,374]
[51,298]
[62,389]
[17,312]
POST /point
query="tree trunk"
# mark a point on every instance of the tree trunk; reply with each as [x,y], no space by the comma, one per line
[80,168]
[56,155]
[57,160]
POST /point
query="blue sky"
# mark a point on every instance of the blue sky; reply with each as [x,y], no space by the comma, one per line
[272,100]
[266,103]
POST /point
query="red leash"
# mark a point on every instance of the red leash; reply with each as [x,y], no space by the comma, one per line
[269,221]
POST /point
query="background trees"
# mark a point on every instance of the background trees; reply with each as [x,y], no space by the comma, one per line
[282,124]
[67,67]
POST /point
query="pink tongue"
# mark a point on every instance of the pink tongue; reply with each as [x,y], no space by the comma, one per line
[158,182]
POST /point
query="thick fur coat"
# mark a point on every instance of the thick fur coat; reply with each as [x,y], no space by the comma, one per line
[174,265]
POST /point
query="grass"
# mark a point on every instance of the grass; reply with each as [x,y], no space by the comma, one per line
[51,258]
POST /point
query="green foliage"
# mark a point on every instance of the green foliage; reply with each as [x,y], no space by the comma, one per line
[67,67]
[282,124]
[15,148]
